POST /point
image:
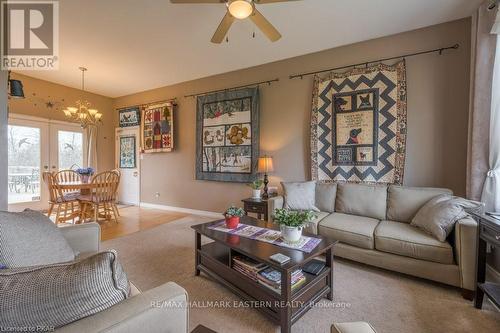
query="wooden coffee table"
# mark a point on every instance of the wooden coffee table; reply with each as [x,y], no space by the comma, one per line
[215,260]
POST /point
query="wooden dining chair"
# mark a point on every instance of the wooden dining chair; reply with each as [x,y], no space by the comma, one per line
[65,203]
[102,198]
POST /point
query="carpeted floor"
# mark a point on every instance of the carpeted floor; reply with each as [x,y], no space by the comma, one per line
[391,302]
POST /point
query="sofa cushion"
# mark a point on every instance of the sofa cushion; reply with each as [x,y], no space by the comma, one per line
[362,199]
[58,294]
[312,227]
[134,291]
[349,229]
[30,238]
[300,195]
[404,202]
[403,239]
[325,196]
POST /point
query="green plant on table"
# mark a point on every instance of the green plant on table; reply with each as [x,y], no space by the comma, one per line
[234,211]
[292,218]
[256,184]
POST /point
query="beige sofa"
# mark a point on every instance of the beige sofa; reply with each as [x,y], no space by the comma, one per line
[372,224]
[162,309]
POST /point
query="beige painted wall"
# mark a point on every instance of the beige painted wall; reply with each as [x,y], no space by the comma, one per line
[438,94]
[45,90]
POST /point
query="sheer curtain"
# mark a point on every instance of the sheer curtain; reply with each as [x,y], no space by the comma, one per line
[91,152]
[482,153]
[491,188]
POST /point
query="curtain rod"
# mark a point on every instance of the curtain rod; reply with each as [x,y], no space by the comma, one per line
[440,51]
[233,88]
[171,100]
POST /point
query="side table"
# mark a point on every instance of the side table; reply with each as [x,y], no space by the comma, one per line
[258,206]
[489,232]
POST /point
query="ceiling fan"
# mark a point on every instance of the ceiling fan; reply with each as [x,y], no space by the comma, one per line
[241,9]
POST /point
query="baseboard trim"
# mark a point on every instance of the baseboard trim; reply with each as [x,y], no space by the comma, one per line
[182,210]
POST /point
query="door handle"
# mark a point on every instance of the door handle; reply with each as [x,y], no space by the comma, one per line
[53,167]
[135,174]
[45,167]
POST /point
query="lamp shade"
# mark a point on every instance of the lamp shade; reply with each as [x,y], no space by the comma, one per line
[16,89]
[265,164]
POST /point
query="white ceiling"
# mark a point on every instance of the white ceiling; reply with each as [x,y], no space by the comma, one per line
[131,46]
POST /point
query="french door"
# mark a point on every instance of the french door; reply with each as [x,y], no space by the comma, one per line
[37,145]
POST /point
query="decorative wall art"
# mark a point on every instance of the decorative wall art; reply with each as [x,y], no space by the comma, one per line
[127,152]
[227,135]
[158,127]
[130,116]
[358,125]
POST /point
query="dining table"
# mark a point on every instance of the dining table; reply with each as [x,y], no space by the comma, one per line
[84,188]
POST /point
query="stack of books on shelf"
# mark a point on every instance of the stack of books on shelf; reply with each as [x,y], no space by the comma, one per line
[248,267]
[271,279]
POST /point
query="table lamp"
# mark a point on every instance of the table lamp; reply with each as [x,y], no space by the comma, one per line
[265,166]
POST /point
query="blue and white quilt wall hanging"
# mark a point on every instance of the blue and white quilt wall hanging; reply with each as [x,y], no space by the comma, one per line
[358,125]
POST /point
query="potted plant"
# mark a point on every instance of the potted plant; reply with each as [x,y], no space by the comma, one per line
[85,173]
[292,222]
[256,185]
[232,215]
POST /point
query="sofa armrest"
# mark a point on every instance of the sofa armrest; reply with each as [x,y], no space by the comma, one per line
[163,309]
[83,238]
[466,231]
[272,204]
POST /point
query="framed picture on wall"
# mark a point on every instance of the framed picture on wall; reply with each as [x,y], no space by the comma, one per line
[130,116]
[128,158]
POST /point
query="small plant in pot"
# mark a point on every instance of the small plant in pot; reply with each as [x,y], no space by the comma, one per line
[256,185]
[292,222]
[232,215]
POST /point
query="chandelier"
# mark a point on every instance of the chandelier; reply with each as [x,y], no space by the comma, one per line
[82,112]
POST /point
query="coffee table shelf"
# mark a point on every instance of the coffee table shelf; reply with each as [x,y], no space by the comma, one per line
[285,308]
[224,256]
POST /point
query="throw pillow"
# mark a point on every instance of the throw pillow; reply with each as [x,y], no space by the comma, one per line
[59,294]
[325,196]
[438,216]
[30,238]
[300,195]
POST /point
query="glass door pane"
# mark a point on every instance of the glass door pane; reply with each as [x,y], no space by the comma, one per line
[70,149]
[24,164]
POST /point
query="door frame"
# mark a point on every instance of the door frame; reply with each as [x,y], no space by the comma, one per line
[118,131]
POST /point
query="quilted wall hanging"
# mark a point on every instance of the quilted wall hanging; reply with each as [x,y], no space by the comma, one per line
[358,125]
[227,135]
[157,127]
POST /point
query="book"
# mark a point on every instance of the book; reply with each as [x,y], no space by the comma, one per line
[315,266]
[271,279]
[280,258]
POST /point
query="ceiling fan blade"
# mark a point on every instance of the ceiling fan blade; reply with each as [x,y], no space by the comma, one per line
[223,28]
[265,26]
[197,1]
[261,2]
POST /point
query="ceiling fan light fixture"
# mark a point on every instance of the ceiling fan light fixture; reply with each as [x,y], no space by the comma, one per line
[240,9]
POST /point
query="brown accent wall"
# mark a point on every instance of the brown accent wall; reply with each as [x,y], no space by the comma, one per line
[438,94]
[36,91]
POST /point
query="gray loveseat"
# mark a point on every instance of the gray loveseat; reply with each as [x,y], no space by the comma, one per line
[156,310]
[372,224]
